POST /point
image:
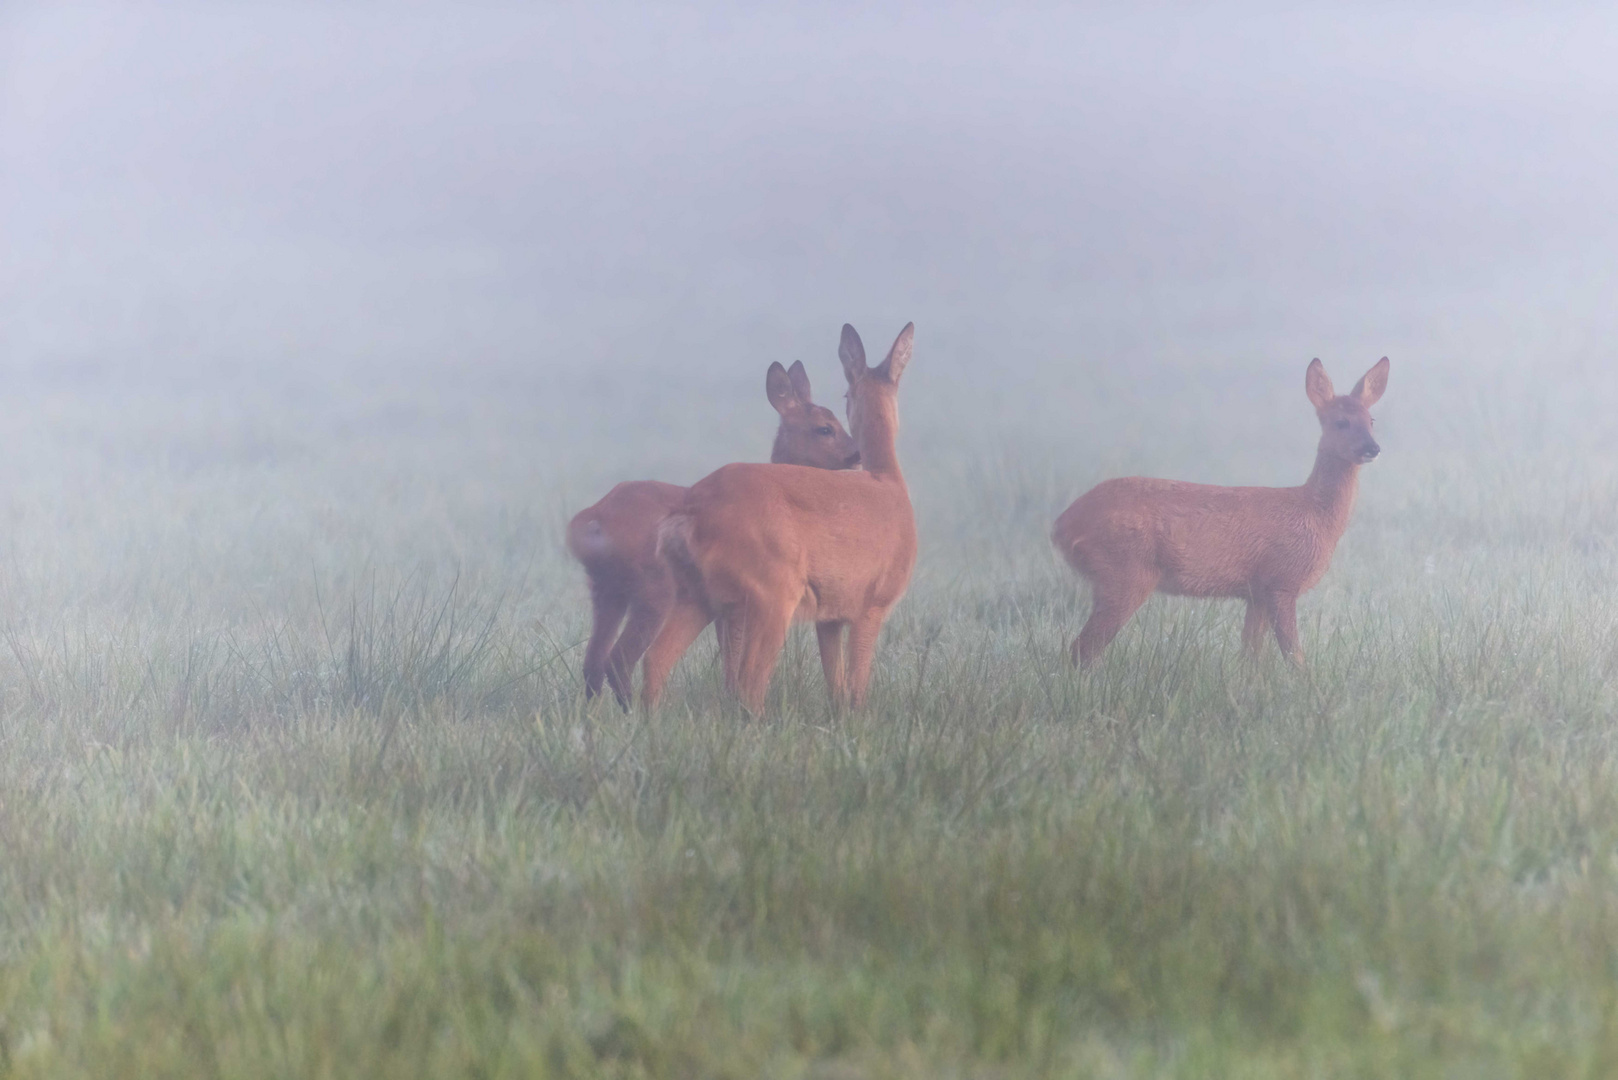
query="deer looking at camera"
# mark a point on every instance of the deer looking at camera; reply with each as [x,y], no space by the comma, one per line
[616,539]
[765,545]
[1134,536]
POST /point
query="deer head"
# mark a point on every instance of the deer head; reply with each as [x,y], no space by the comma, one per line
[1345,420]
[809,434]
[873,396]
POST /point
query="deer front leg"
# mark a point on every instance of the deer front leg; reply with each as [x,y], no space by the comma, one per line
[862,635]
[1257,625]
[1284,611]
[829,635]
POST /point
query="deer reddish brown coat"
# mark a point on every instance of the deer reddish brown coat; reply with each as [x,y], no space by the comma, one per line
[765,545]
[616,540]
[1134,536]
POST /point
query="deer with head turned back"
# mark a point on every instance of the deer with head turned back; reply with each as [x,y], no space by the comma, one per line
[616,539]
[1134,536]
[766,545]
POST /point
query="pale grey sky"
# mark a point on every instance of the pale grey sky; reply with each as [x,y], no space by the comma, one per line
[268,184]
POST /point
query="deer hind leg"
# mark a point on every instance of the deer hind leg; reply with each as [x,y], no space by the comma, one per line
[1257,624]
[830,637]
[608,606]
[1284,611]
[683,626]
[764,635]
[1115,600]
[646,616]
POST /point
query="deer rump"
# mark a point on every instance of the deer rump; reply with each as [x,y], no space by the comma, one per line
[823,546]
[618,535]
[1200,540]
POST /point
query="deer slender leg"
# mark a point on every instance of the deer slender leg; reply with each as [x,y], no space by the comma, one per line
[766,635]
[1257,624]
[862,635]
[1116,599]
[731,625]
[683,626]
[608,606]
[1285,613]
[646,616]
[829,635]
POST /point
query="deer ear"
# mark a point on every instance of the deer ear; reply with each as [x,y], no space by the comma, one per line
[800,382]
[1317,385]
[1371,385]
[778,388]
[898,356]
[852,353]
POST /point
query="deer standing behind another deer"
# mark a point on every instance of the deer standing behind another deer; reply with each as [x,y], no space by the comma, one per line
[616,540]
[764,545]
[1134,536]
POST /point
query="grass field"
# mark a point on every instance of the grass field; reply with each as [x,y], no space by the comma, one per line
[297,779]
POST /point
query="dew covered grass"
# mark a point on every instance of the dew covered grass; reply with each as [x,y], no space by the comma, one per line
[296,778]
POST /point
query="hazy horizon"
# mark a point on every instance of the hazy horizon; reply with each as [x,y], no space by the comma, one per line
[264,187]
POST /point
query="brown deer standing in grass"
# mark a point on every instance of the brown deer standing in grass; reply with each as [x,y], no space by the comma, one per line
[1134,536]
[764,545]
[616,539]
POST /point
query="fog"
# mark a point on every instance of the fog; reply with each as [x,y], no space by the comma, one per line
[504,257]
[318,322]
[584,187]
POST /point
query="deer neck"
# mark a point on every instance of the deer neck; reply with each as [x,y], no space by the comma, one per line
[1330,490]
[877,434]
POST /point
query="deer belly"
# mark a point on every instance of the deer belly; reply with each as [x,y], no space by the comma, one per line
[1217,566]
[1204,581]
[808,609]
[838,598]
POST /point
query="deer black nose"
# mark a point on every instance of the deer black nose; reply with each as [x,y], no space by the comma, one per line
[853,459]
[1369,451]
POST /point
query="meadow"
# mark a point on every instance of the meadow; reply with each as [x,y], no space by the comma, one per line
[297,778]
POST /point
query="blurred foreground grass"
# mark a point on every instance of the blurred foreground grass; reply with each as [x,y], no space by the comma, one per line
[296,779]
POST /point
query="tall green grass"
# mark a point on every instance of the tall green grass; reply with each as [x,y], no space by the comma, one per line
[296,778]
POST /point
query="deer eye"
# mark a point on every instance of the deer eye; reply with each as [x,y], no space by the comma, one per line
[1342,425]
[824,429]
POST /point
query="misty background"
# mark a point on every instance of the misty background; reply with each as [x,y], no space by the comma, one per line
[266,265]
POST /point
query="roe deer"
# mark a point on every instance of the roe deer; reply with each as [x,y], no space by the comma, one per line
[616,539]
[1133,536]
[764,545]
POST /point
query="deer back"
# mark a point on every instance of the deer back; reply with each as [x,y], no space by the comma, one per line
[832,543]
[1209,540]
[621,530]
